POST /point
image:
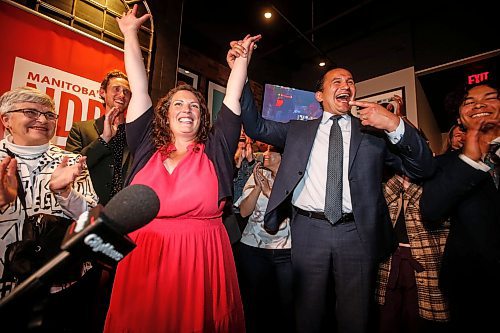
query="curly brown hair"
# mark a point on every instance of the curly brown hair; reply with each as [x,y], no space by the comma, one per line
[162,135]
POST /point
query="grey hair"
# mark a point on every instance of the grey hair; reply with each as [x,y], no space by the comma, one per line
[23,95]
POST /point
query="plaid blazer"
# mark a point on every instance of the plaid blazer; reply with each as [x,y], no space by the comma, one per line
[427,246]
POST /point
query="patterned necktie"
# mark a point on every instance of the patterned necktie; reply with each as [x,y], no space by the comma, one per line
[333,199]
[493,161]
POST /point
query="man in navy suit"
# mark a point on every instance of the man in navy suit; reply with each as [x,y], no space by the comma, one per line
[465,190]
[337,255]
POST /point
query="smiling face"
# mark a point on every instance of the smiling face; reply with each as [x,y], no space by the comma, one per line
[117,94]
[480,103]
[26,131]
[337,90]
[272,160]
[184,115]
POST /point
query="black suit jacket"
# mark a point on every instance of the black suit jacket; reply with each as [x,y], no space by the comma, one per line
[369,153]
[83,139]
[469,198]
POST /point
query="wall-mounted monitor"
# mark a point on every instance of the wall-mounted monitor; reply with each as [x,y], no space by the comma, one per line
[284,104]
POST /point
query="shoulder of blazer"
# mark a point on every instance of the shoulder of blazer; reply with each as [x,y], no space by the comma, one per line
[301,124]
[99,124]
[89,124]
[304,129]
[301,135]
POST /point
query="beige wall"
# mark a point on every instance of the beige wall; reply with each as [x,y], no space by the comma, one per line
[418,110]
[402,78]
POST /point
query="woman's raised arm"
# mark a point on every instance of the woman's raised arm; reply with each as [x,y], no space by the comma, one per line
[239,74]
[140,101]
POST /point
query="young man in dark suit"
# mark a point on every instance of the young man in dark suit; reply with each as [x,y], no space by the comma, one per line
[465,191]
[103,139]
[339,254]
[104,143]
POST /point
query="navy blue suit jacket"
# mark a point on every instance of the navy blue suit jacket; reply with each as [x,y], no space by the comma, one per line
[469,198]
[369,152]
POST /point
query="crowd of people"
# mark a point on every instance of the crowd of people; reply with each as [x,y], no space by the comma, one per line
[345,224]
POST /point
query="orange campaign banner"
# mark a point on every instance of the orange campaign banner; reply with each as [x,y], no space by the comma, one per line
[63,63]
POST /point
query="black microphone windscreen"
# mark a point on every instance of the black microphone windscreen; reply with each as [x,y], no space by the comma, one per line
[131,208]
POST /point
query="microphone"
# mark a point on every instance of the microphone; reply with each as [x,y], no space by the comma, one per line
[99,234]
[132,208]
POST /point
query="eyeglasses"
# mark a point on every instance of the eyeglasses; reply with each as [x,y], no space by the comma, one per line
[35,114]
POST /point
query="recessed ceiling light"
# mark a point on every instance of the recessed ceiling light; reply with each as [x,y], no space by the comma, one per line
[322,64]
[268,15]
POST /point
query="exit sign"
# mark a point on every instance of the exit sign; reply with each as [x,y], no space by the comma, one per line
[476,78]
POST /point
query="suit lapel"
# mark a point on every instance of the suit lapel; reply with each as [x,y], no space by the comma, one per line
[300,139]
[299,142]
[356,136]
[125,158]
[99,125]
[309,131]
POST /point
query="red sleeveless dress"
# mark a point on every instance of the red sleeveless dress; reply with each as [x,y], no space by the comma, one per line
[181,277]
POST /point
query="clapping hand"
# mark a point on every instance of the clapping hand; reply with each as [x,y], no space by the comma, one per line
[249,150]
[110,130]
[261,180]
[479,130]
[244,151]
[64,175]
[8,181]
[240,155]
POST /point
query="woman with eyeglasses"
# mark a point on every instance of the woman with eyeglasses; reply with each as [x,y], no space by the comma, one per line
[54,182]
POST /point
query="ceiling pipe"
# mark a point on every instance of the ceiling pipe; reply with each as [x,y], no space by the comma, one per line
[313,30]
[321,52]
[337,17]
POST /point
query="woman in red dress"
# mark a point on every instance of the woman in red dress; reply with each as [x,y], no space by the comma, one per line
[181,277]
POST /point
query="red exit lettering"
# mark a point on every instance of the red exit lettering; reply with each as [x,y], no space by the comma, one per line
[476,78]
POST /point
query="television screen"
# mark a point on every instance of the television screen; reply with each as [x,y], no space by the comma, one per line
[284,104]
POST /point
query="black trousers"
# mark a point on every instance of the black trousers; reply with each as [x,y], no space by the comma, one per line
[265,278]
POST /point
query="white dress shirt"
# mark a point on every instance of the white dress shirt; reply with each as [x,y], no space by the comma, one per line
[310,192]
